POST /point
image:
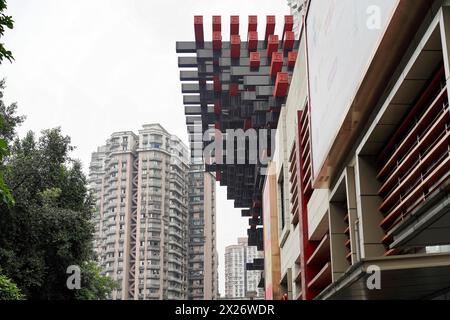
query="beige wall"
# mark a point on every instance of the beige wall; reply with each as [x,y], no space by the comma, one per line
[271,246]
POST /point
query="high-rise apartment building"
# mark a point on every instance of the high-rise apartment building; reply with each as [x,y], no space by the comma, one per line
[203,261]
[140,187]
[241,283]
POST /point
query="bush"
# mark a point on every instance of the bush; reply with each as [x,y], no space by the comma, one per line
[9,290]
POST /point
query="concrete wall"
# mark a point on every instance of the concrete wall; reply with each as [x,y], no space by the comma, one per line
[271,246]
[298,93]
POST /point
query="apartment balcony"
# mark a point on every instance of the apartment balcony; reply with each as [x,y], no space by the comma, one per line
[197,260]
[175,270]
[109,259]
[109,269]
[176,243]
[111,232]
[110,223]
[175,251]
[195,276]
[152,296]
[110,240]
[178,296]
[154,228]
[153,238]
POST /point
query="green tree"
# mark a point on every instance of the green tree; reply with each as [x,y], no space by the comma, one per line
[49,228]
[5,193]
[8,122]
[9,290]
[45,210]
[6,22]
[93,285]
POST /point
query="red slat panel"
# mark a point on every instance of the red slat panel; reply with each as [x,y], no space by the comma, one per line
[270,26]
[198,27]
[234,25]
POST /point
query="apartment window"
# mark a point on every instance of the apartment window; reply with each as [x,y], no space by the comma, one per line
[156,138]
[155,145]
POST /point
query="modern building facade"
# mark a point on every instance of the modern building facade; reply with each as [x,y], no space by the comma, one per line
[366,178]
[140,186]
[357,184]
[241,283]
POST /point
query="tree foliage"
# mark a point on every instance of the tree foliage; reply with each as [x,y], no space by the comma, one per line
[5,194]
[6,22]
[8,122]
[45,210]
[49,228]
[94,286]
[9,290]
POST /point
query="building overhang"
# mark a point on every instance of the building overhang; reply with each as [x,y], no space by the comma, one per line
[402,28]
[408,277]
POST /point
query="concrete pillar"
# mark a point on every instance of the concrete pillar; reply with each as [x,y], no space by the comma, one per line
[368,202]
[338,237]
[352,210]
[445,38]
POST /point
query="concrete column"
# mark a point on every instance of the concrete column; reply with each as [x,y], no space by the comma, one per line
[352,210]
[338,237]
[445,38]
[368,202]
[290,284]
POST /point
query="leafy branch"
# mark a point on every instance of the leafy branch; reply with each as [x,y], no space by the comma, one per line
[6,22]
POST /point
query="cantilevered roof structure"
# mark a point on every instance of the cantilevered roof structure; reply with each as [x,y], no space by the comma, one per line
[240,83]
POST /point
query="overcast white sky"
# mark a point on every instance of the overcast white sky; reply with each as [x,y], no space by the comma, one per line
[98,66]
